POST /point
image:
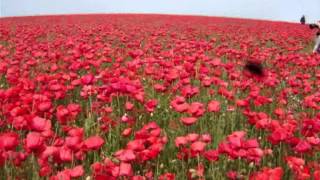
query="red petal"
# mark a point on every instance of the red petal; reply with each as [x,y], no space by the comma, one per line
[188,120]
[214,106]
[93,143]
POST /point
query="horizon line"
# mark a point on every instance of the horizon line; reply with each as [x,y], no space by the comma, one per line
[144,13]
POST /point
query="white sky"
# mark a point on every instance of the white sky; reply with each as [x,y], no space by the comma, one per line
[286,10]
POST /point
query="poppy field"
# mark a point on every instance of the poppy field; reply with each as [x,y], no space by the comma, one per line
[144,97]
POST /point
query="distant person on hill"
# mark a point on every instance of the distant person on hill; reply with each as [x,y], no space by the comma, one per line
[316,25]
[316,48]
[303,20]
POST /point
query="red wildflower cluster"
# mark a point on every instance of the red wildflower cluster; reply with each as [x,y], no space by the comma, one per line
[268,173]
[147,145]
[193,145]
[237,146]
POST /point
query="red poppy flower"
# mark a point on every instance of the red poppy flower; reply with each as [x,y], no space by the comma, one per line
[34,141]
[188,121]
[180,141]
[77,171]
[198,147]
[214,106]
[9,141]
[179,104]
[40,124]
[129,106]
[151,105]
[93,143]
[125,169]
[212,155]
[125,155]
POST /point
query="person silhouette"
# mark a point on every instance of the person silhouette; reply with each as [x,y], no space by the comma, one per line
[316,48]
[303,20]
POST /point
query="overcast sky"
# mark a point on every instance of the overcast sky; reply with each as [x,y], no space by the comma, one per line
[286,10]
